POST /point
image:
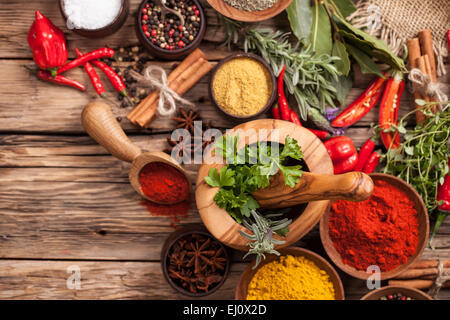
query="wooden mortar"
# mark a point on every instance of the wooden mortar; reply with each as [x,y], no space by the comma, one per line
[317,187]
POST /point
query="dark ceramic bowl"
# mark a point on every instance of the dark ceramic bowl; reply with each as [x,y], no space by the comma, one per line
[172,54]
[407,291]
[271,100]
[172,239]
[106,30]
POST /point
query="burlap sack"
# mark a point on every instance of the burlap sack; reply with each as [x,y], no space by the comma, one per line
[395,21]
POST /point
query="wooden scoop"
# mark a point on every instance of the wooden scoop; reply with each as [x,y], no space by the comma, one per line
[352,186]
[101,124]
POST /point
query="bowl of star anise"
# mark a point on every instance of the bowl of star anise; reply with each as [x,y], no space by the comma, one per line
[193,262]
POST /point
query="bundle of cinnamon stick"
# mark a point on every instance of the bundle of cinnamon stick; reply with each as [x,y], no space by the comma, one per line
[421,275]
[180,80]
[421,56]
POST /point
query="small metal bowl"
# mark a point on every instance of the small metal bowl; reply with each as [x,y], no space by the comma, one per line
[169,54]
[107,30]
[172,239]
[271,100]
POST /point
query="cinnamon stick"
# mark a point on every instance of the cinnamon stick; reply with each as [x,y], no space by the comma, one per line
[152,97]
[417,273]
[180,85]
[425,264]
[426,45]
[418,284]
[414,53]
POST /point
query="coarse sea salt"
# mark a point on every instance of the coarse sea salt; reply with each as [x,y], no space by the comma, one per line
[91,14]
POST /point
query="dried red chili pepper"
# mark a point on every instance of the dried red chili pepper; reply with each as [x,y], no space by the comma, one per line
[364,154]
[276,112]
[113,77]
[46,76]
[345,165]
[93,55]
[294,118]
[340,148]
[361,106]
[372,162]
[389,107]
[443,194]
[95,79]
[282,101]
[47,44]
[322,135]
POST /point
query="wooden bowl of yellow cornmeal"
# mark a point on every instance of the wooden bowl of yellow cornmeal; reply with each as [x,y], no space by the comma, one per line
[297,274]
[243,86]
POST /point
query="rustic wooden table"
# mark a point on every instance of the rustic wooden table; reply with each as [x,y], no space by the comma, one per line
[64,201]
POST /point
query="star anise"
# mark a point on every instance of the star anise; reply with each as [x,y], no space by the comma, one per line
[183,146]
[204,282]
[186,119]
[198,253]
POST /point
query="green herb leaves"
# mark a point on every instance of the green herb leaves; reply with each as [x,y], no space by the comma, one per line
[300,18]
[249,169]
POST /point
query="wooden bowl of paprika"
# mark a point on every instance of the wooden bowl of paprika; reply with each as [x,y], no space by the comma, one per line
[333,277]
[146,167]
[386,233]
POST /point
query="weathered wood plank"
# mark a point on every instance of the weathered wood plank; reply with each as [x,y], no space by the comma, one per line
[49,108]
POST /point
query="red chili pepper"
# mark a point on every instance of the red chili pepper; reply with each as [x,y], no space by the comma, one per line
[389,106]
[113,77]
[47,43]
[45,75]
[444,193]
[276,112]
[93,55]
[346,165]
[448,40]
[282,102]
[340,148]
[95,79]
[364,154]
[372,162]
[322,135]
[294,118]
[361,106]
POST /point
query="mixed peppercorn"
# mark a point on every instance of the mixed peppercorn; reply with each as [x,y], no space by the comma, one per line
[396,296]
[169,34]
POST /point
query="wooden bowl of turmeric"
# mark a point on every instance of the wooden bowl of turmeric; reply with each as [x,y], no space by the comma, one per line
[297,274]
[242,86]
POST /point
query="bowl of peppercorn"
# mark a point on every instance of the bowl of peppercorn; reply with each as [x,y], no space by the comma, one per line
[161,31]
[396,293]
[193,262]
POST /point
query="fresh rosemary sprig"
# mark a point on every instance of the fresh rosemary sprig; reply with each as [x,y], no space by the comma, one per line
[309,77]
[422,158]
[263,228]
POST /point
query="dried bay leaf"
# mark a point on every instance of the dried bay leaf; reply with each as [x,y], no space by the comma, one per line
[320,37]
[343,65]
[368,66]
[343,7]
[300,18]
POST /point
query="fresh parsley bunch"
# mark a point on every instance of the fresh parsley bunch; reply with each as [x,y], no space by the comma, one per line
[249,169]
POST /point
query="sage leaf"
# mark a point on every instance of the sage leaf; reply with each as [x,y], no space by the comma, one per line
[320,37]
[365,62]
[300,19]
[343,65]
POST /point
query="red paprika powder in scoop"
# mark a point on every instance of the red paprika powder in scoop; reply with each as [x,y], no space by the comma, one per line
[382,230]
[163,183]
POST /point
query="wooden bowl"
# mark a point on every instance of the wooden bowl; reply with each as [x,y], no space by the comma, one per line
[424,229]
[180,233]
[269,102]
[106,30]
[247,275]
[241,15]
[221,225]
[166,54]
[407,291]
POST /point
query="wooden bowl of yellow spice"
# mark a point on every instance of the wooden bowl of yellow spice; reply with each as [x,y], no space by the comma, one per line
[297,274]
[243,86]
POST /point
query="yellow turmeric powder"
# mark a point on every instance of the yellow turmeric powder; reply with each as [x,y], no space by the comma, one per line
[291,278]
[242,86]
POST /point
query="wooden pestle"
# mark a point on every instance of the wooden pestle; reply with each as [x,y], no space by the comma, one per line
[352,186]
